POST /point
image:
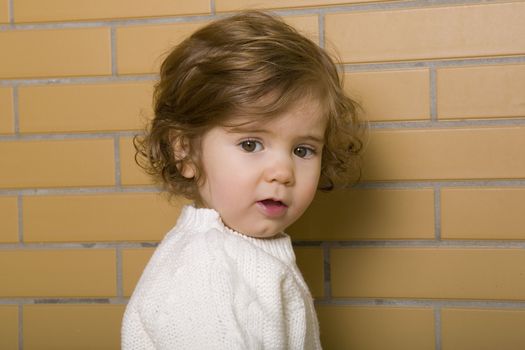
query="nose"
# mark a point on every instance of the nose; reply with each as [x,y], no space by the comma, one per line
[281,170]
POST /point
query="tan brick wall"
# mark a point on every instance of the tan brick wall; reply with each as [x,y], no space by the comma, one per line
[428,252]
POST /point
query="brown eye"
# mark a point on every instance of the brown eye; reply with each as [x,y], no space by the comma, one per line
[303,152]
[251,145]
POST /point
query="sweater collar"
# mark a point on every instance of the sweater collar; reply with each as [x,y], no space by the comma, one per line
[279,246]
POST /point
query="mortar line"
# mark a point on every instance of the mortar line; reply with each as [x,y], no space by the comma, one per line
[20,327]
[81,190]
[76,246]
[72,300]
[443,183]
[327,273]
[437,212]
[449,124]
[433,94]
[349,8]
[79,80]
[311,244]
[213,10]
[430,243]
[321,27]
[378,302]
[434,63]
[348,245]
[428,303]
[437,327]
[113,48]
[70,136]
[35,301]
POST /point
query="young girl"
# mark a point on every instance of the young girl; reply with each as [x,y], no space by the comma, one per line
[250,120]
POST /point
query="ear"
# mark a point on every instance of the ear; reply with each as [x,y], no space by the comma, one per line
[181,149]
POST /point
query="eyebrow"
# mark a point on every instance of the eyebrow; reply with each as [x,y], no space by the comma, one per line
[313,138]
[240,129]
[243,130]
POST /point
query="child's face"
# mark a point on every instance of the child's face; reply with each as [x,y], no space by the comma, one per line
[263,177]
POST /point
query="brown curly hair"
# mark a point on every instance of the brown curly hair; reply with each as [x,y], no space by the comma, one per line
[249,64]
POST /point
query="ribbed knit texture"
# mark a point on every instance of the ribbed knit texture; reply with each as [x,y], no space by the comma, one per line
[209,287]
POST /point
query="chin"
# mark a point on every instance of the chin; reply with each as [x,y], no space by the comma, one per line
[262,233]
[263,230]
[270,233]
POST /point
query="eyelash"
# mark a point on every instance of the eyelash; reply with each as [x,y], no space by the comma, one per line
[312,151]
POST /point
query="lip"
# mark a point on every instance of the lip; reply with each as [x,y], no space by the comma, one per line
[271,207]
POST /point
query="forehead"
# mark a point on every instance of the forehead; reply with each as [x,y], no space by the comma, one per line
[304,115]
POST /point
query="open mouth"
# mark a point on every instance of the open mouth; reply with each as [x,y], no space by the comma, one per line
[272,203]
[272,208]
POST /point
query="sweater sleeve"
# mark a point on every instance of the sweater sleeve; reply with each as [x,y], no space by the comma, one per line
[299,316]
[134,335]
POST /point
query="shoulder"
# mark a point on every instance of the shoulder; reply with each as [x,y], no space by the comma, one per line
[183,248]
[182,253]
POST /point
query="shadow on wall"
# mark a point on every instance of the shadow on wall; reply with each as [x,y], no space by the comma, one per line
[368,214]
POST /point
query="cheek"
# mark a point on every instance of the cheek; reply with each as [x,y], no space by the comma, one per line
[310,192]
[309,188]
[228,183]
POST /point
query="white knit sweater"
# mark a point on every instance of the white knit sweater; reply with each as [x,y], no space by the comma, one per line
[209,287]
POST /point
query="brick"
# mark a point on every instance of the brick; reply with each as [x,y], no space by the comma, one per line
[391,95]
[133,263]
[6,111]
[474,329]
[130,172]
[481,92]
[57,163]
[306,25]
[347,327]
[445,154]
[9,220]
[105,107]
[417,34]
[141,49]
[352,215]
[4,11]
[489,213]
[9,327]
[237,5]
[75,10]
[494,274]
[72,326]
[61,52]
[310,262]
[98,217]
[58,273]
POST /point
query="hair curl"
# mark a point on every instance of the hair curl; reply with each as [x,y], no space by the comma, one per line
[251,64]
